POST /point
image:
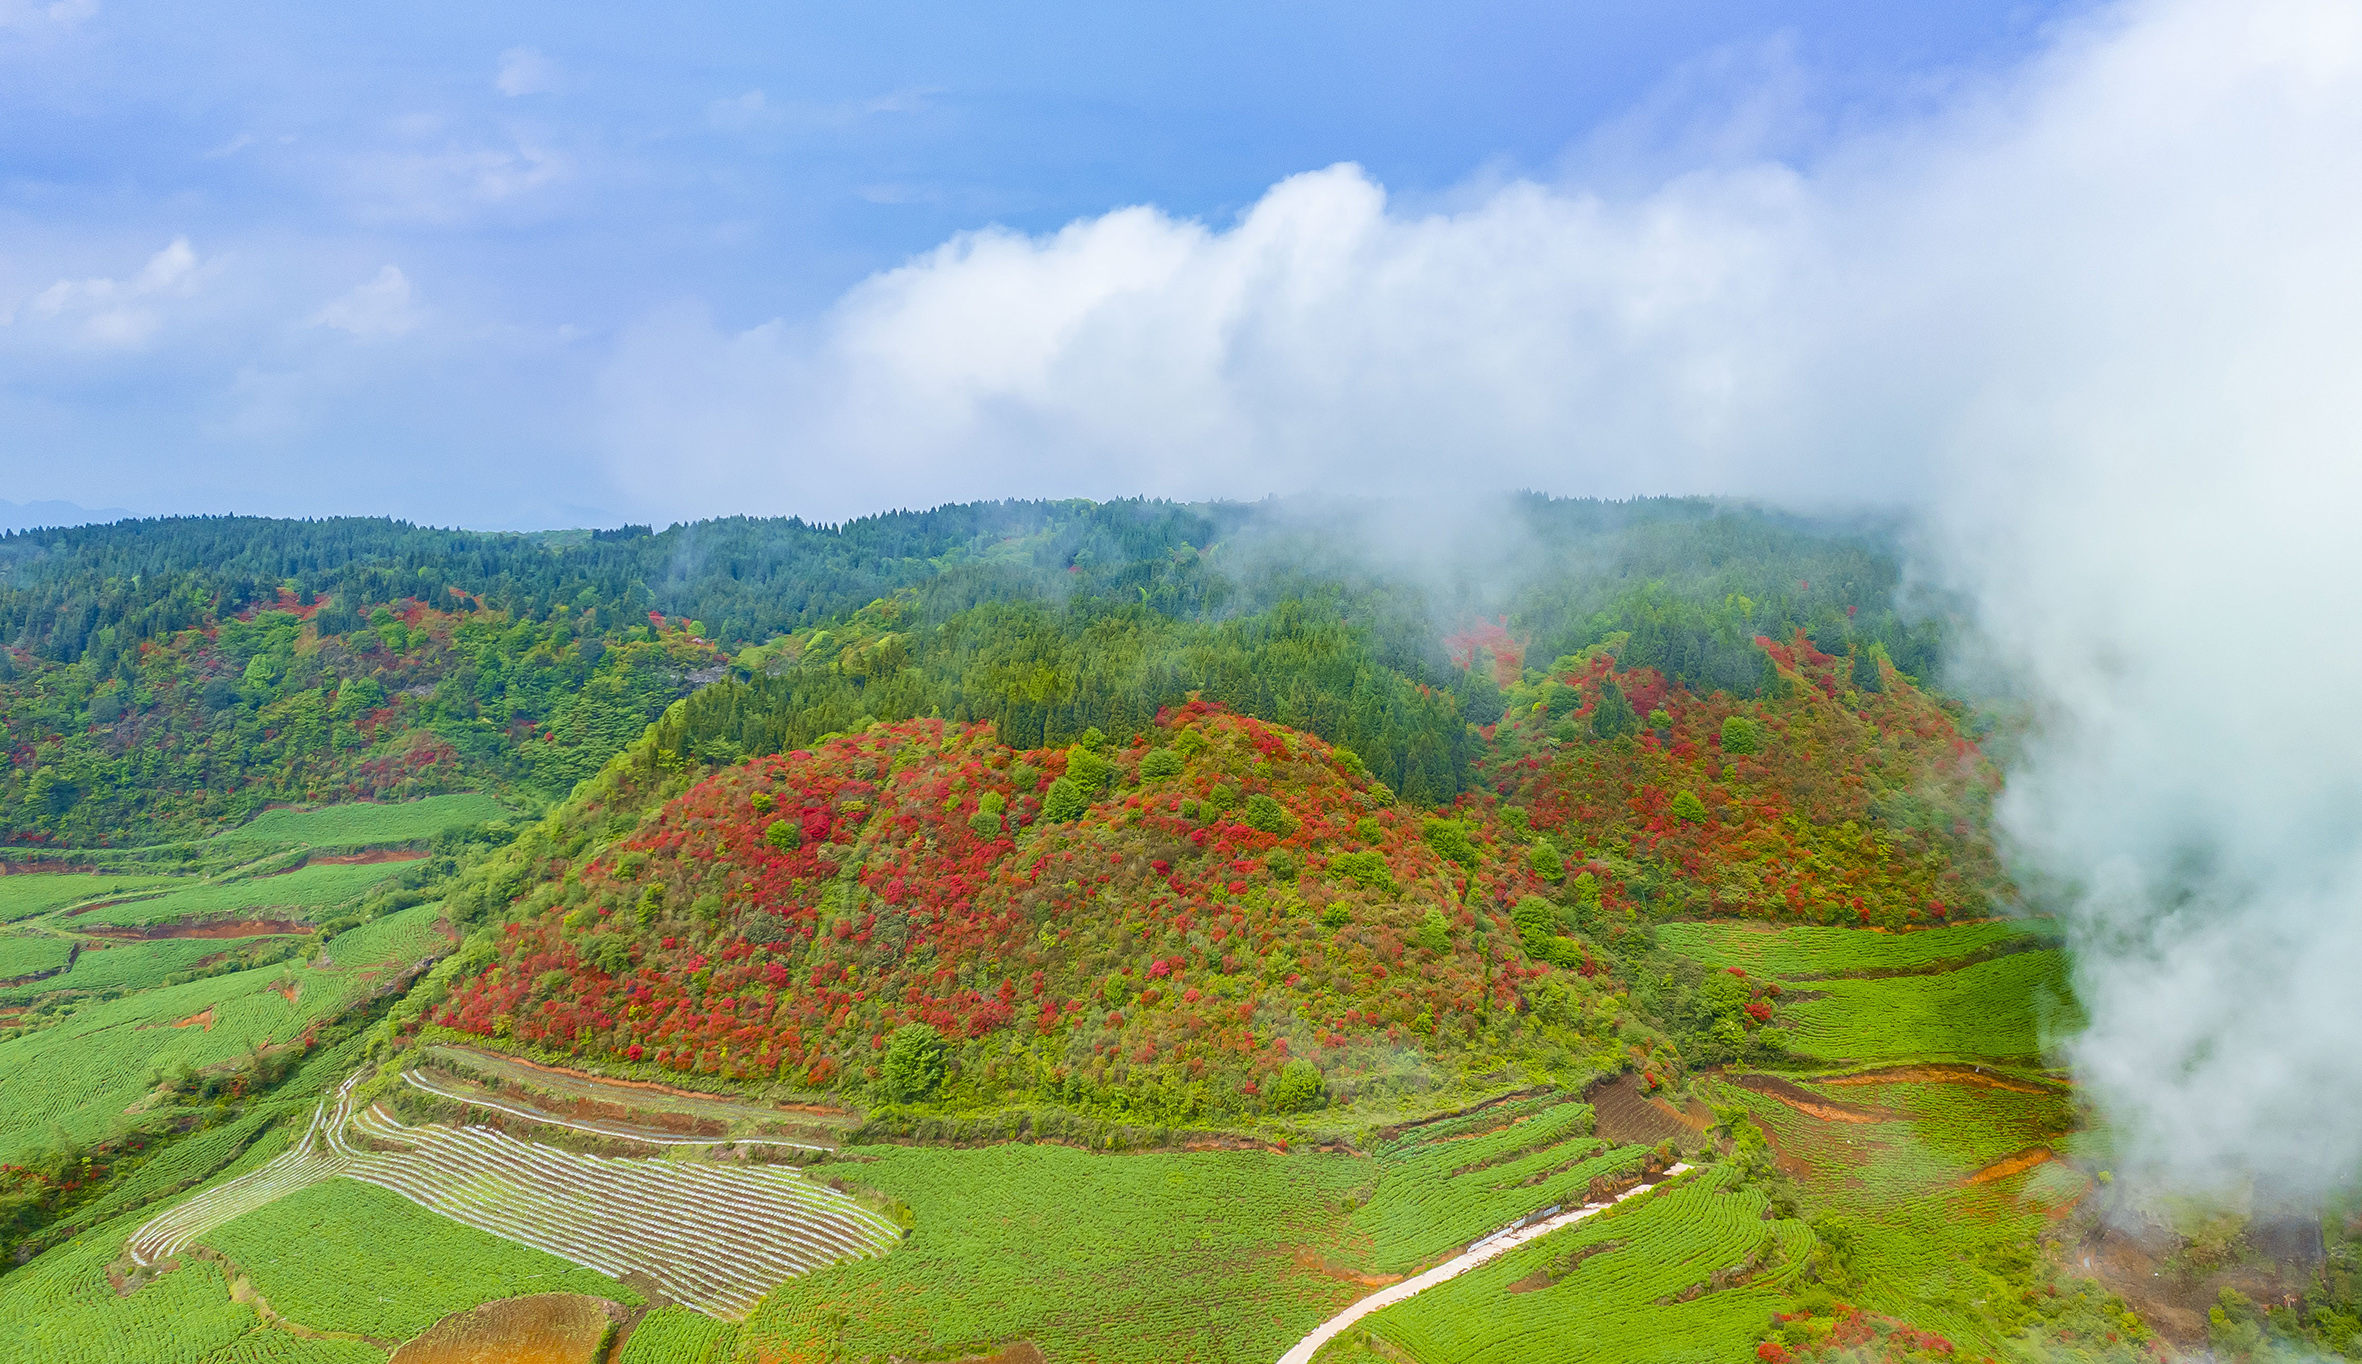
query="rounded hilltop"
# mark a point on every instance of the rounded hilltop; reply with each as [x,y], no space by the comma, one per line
[1213,918]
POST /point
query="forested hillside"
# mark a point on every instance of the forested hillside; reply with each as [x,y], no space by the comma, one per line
[161,677]
[1346,903]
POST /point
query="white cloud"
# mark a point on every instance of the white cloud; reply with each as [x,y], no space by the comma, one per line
[30,14]
[524,71]
[122,314]
[2103,318]
[755,109]
[740,112]
[454,184]
[381,307]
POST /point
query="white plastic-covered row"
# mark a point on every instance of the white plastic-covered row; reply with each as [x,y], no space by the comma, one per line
[716,1238]
[306,1162]
[713,1238]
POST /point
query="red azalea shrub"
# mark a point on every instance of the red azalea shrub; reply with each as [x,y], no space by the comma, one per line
[1212,950]
[1860,807]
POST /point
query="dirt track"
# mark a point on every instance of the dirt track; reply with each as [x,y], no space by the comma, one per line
[1805,1101]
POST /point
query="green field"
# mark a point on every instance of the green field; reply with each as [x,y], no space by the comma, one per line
[76,1079]
[1763,950]
[678,1335]
[24,954]
[127,966]
[308,892]
[1114,1258]
[2005,1010]
[366,825]
[60,1309]
[331,1256]
[1605,1307]
[1901,1183]
[25,894]
[1449,1183]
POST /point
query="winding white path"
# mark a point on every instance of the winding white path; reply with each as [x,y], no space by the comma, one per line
[1496,1244]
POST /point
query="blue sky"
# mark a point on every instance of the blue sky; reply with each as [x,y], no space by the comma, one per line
[303,259]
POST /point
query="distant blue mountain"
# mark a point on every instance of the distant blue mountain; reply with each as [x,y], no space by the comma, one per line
[31,515]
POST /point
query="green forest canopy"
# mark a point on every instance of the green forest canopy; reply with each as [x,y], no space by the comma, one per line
[162,677]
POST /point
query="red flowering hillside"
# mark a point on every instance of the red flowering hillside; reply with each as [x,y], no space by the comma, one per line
[1845,796]
[1162,924]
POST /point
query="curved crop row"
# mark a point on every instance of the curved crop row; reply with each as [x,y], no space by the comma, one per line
[714,1239]
[305,1162]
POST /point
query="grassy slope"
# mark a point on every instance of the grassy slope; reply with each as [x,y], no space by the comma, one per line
[365,824]
[1147,1258]
[1899,1160]
[78,1076]
[331,1256]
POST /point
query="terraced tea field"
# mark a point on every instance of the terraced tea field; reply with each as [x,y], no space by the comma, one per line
[1138,1258]
[2008,1010]
[597,1103]
[126,966]
[676,1335]
[332,1255]
[1804,951]
[1938,1126]
[306,894]
[25,895]
[1446,1184]
[714,1237]
[29,954]
[366,825]
[1689,1272]
[78,1076]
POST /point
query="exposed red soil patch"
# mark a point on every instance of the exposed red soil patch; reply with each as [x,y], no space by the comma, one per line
[373,855]
[2141,1268]
[1805,1101]
[1625,1115]
[545,1328]
[1015,1352]
[288,990]
[1308,1258]
[216,928]
[201,1019]
[1945,1075]
[2015,1163]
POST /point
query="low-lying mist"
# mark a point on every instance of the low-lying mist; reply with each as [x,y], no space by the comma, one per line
[2098,323]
